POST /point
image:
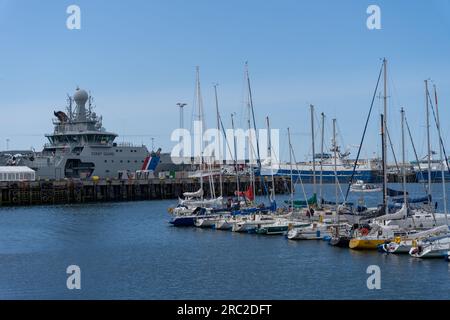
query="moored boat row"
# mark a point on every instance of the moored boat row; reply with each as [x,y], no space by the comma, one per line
[400,224]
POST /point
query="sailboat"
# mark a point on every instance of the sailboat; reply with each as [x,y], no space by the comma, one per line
[434,247]
[340,235]
[280,226]
[187,219]
[193,200]
[313,231]
[370,237]
[196,199]
[322,228]
[405,244]
[250,223]
[378,232]
[437,247]
[425,217]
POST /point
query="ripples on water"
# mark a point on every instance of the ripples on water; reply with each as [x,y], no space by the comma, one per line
[129,251]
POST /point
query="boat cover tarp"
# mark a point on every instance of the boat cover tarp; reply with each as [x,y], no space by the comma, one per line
[333,203]
[196,194]
[400,214]
[247,194]
[434,231]
[395,193]
[413,200]
[302,203]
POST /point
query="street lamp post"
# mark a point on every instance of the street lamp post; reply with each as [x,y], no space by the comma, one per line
[181,106]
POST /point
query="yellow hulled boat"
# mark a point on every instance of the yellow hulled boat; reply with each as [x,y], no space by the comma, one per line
[365,244]
[366,239]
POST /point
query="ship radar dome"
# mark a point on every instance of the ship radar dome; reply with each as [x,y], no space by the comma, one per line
[80,97]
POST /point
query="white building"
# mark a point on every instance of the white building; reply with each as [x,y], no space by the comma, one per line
[12,173]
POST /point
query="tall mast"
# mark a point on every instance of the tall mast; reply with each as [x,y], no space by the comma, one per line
[428,142]
[383,159]
[250,153]
[200,119]
[220,141]
[250,97]
[403,156]
[321,156]
[235,156]
[269,139]
[290,161]
[313,148]
[336,182]
[385,176]
[444,191]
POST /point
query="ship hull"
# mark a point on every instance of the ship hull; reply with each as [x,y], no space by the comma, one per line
[363,244]
[104,162]
[436,176]
[344,176]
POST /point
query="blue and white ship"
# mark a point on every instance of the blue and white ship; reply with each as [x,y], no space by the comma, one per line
[366,170]
[436,166]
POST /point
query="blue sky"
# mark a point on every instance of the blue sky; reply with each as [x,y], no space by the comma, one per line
[138,58]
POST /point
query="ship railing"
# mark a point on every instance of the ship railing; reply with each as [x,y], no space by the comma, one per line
[129,144]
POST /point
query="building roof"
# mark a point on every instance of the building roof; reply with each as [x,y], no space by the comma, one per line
[14,169]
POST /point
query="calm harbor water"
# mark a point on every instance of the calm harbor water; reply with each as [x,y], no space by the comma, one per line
[129,251]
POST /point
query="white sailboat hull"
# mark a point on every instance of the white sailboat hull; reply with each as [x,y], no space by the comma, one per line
[438,248]
[308,233]
[223,224]
[205,222]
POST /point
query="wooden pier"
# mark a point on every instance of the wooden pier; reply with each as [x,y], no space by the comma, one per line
[88,191]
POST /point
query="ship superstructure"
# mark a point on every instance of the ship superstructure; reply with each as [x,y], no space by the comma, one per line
[80,147]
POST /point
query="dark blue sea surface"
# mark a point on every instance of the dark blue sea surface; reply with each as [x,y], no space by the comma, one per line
[129,251]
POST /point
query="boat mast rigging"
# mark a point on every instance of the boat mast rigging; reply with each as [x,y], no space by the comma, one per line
[220,141]
[385,176]
[269,155]
[250,96]
[336,181]
[313,149]
[363,135]
[441,147]
[321,158]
